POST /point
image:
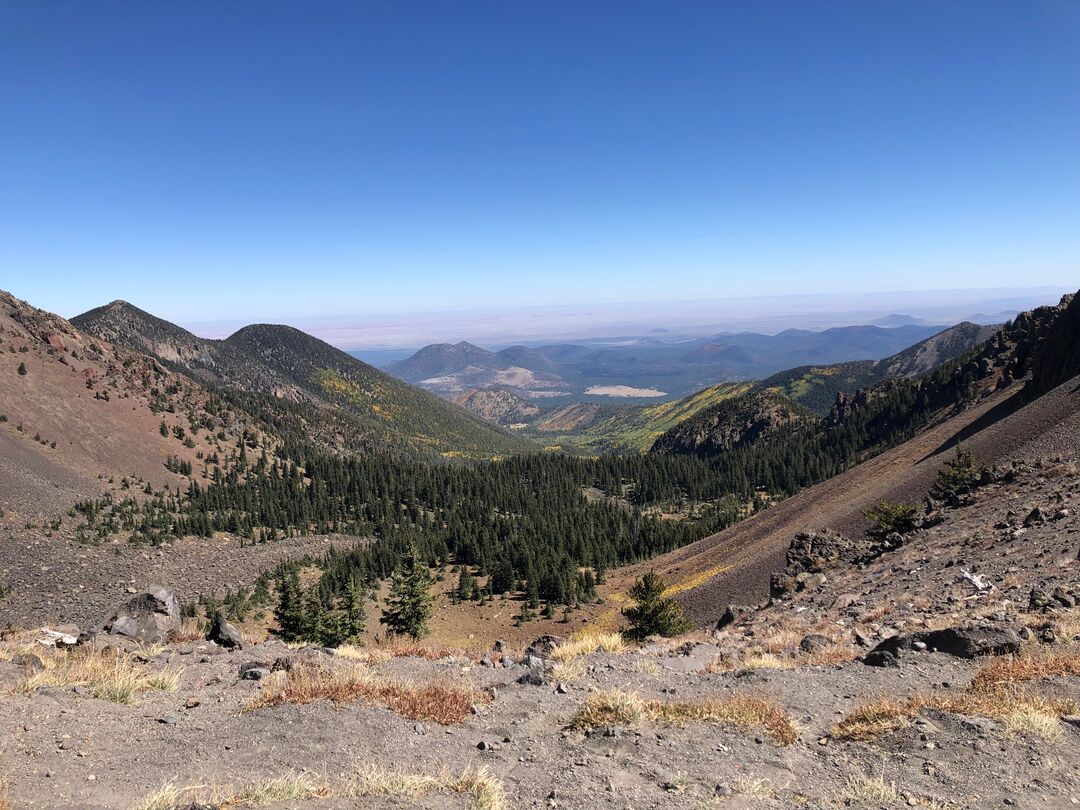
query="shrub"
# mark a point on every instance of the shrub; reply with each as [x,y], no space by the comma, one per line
[888,517]
[958,476]
[653,613]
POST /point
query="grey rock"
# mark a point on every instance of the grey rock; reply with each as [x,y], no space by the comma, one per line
[147,617]
[225,634]
[534,677]
[733,614]
[962,642]
[815,642]
[254,671]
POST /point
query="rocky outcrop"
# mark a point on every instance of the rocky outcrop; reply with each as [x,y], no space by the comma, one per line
[961,642]
[147,617]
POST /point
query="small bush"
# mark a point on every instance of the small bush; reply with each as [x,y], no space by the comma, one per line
[888,517]
[958,476]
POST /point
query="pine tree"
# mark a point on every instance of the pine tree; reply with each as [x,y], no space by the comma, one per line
[409,605]
[290,608]
[22,369]
[355,614]
[466,586]
[654,614]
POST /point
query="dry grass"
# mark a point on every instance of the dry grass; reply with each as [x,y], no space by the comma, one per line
[109,676]
[191,629]
[484,789]
[753,788]
[1067,626]
[587,643]
[781,640]
[836,654]
[1018,710]
[396,648]
[863,791]
[646,666]
[438,703]
[876,614]
[755,661]
[568,670]
[294,788]
[744,711]
[1027,667]
[167,797]
[5,804]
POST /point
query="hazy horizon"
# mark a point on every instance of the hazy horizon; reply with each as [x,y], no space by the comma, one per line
[497,328]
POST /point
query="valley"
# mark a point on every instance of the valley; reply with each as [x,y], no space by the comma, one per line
[139,457]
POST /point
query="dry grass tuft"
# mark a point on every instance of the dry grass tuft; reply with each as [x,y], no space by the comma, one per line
[295,788]
[1018,710]
[478,783]
[167,797]
[754,661]
[836,654]
[109,676]
[863,791]
[753,788]
[395,648]
[744,711]
[646,666]
[568,670]
[1029,667]
[5,804]
[587,643]
[438,703]
[191,629]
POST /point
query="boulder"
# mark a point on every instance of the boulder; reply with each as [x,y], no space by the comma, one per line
[544,646]
[254,671]
[147,617]
[961,642]
[225,634]
[815,642]
[733,614]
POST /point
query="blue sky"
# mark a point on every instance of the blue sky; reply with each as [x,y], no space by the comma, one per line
[267,160]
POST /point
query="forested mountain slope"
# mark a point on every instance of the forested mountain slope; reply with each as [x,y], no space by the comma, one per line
[291,377]
[910,427]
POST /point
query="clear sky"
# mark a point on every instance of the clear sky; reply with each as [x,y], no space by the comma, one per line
[266,160]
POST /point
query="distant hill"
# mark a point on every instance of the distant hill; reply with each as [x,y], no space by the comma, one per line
[735,422]
[301,379]
[816,386]
[587,427]
[440,359]
[497,405]
[673,365]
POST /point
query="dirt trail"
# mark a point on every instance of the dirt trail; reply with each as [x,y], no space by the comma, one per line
[997,429]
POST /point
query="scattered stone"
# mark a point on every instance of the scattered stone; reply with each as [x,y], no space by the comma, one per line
[225,634]
[254,671]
